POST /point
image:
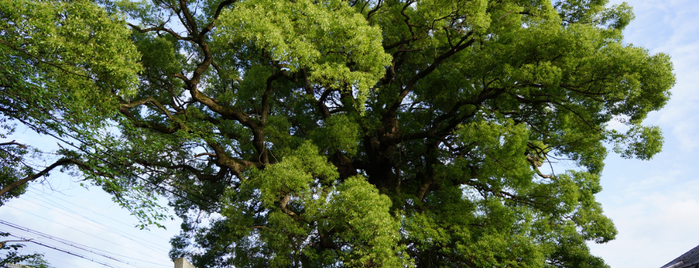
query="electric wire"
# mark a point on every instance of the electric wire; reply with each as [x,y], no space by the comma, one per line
[78,231]
[55,136]
[99,225]
[200,199]
[62,250]
[53,203]
[77,245]
[65,243]
[52,200]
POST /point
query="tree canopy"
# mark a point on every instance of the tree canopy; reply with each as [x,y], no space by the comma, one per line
[378,133]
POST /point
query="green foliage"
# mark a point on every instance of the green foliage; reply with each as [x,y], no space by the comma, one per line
[639,141]
[300,168]
[12,169]
[50,46]
[13,256]
[345,133]
[329,39]
[339,133]
[64,67]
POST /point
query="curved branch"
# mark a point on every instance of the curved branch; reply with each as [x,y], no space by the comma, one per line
[216,14]
[237,166]
[266,94]
[158,29]
[13,143]
[462,44]
[45,171]
[189,19]
[147,100]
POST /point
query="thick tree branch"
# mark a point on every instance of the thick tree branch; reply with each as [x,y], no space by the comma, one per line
[147,100]
[45,171]
[408,87]
[266,96]
[159,28]
[237,166]
[13,143]
[211,24]
[189,19]
[320,103]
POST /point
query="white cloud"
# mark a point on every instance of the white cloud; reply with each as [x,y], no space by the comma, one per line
[672,27]
[653,231]
[654,206]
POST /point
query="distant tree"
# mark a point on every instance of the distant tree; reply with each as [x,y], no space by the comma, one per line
[384,133]
[37,262]
[13,256]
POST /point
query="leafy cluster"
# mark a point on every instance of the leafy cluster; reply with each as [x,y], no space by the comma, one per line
[388,133]
[64,67]
[13,255]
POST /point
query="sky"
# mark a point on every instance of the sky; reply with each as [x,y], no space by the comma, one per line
[59,213]
[654,204]
[85,223]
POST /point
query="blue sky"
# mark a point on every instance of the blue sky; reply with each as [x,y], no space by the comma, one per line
[87,218]
[654,204]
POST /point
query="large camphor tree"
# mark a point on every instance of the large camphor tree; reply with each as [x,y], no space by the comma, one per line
[379,133]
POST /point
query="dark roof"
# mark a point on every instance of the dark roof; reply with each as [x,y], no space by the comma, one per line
[687,260]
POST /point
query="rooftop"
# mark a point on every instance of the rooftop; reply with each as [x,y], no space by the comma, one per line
[688,260]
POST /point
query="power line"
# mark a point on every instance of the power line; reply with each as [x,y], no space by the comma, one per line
[76,245]
[99,225]
[62,250]
[95,223]
[47,197]
[1,222]
[170,187]
[137,176]
[200,202]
